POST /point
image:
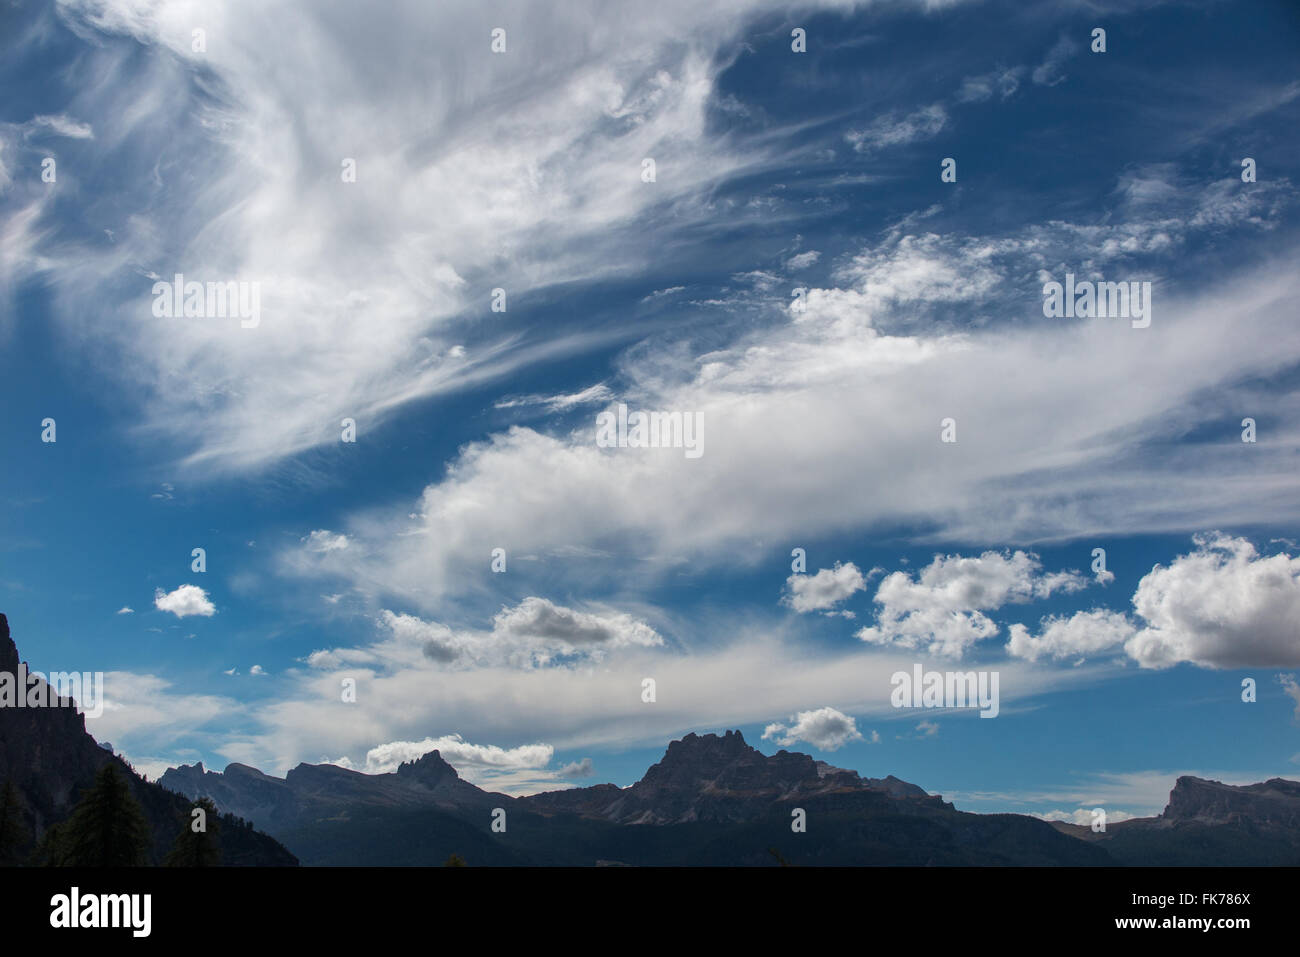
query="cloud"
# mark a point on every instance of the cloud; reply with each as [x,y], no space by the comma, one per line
[577,769]
[1220,606]
[596,394]
[534,633]
[184,601]
[825,729]
[1292,691]
[895,129]
[518,171]
[125,610]
[828,587]
[1081,634]
[459,753]
[977,89]
[536,620]
[1049,72]
[324,541]
[802,260]
[61,125]
[257,670]
[1048,448]
[942,609]
[1082,816]
[743,678]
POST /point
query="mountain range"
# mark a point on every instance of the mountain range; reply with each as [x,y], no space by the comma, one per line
[711,800]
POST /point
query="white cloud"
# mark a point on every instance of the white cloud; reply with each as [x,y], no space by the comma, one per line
[62,125]
[828,587]
[802,260]
[257,670]
[184,601]
[895,129]
[125,610]
[1083,815]
[577,769]
[598,393]
[744,679]
[1081,634]
[1049,72]
[532,634]
[1292,690]
[481,170]
[825,729]
[1221,606]
[977,89]
[942,609]
[323,540]
[459,753]
[1055,425]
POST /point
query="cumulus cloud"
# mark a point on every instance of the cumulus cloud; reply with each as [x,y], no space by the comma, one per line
[532,634]
[257,670]
[828,587]
[942,609]
[1079,635]
[540,622]
[125,610]
[323,540]
[1051,413]
[185,601]
[577,769]
[825,729]
[1223,605]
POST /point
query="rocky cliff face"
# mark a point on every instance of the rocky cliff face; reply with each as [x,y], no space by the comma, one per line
[722,779]
[1274,803]
[49,757]
[1208,823]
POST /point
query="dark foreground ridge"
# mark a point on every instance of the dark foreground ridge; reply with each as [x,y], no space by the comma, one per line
[50,760]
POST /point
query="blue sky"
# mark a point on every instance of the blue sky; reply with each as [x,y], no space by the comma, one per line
[774,171]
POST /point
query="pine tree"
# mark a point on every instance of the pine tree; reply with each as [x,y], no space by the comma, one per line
[197,848]
[13,832]
[107,828]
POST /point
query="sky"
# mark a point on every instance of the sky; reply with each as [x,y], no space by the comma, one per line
[821,232]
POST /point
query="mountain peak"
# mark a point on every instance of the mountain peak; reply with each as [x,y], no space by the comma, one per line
[429,768]
[732,744]
[8,650]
